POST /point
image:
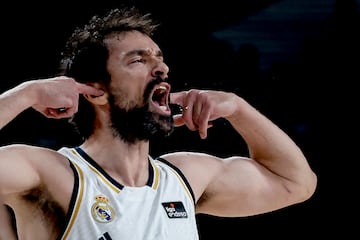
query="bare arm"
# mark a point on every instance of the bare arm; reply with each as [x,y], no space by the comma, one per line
[45,96]
[274,176]
[22,167]
[7,230]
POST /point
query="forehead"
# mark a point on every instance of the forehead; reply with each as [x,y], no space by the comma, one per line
[125,42]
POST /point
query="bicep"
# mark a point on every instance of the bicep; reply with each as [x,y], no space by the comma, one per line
[243,187]
[17,169]
[231,187]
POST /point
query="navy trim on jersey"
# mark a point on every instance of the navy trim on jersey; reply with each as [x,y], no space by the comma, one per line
[72,200]
[181,175]
[113,181]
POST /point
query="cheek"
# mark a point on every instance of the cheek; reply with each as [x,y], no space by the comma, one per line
[128,98]
[129,87]
[119,96]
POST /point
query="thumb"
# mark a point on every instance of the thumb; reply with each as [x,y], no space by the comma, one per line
[178,120]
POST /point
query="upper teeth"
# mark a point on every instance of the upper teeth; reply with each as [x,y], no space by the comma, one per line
[162,88]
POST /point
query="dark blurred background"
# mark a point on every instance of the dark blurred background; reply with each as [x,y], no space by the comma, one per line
[297,61]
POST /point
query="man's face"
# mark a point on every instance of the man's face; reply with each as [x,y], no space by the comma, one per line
[138,95]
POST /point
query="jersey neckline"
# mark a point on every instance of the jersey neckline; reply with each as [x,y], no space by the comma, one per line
[95,165]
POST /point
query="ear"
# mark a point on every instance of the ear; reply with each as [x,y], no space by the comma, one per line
[97,100]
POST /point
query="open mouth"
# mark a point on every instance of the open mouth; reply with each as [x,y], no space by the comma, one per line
[159,99]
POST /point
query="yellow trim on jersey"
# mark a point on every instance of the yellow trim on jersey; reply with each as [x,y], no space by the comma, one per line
[100,175]
[181,181]
[156,175]
[104,179]
[78,201]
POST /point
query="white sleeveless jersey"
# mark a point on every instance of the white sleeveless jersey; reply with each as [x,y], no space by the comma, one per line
[103,209]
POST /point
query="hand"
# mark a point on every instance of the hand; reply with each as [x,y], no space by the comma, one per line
[58,97]
[200,107]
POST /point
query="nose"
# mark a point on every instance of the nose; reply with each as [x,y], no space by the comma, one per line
[160,70]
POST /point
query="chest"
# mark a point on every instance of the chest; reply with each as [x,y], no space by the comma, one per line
[163,209]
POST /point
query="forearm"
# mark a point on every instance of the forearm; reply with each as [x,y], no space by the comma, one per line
[15,101]
[270,146]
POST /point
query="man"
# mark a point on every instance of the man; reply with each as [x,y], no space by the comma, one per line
[113,87]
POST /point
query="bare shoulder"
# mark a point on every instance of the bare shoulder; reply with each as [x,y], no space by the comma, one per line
[27,170]
[30,152]
[188,158]
[198,168]
[198,159]
[37,183]
[206,172]
[24,167]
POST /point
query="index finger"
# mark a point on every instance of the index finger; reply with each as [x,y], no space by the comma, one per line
[86,89]
[178,98]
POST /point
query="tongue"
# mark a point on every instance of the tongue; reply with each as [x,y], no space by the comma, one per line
[161,109]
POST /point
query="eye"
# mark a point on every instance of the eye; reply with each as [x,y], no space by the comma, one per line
[138,60]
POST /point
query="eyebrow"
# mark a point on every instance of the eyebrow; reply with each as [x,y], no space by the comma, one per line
[143,52]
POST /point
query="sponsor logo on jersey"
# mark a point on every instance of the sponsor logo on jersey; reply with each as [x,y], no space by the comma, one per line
[101,210]
[175,209]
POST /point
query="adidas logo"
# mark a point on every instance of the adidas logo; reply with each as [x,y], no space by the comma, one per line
[105,236]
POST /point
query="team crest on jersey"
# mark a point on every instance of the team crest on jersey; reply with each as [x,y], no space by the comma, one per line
[101,210]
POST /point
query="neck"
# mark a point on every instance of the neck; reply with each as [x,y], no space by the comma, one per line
[126,163]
